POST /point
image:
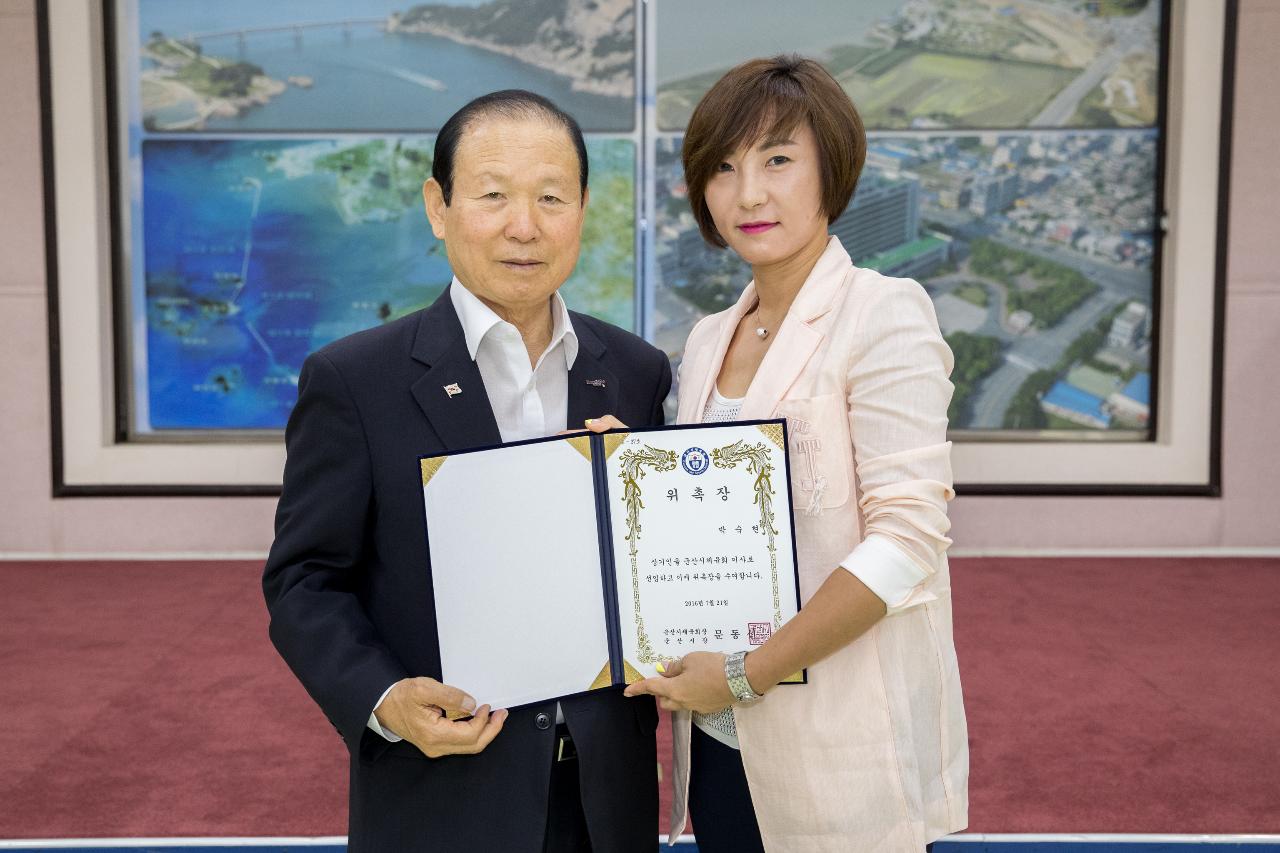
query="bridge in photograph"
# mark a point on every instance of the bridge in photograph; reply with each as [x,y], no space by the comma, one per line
[297,28]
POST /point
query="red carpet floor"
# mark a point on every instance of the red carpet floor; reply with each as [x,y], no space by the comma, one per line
[143,699]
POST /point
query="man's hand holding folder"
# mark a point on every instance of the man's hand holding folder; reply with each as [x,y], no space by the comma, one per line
[416,709]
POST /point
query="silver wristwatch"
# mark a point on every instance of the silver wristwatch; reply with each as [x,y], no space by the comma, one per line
[735,670]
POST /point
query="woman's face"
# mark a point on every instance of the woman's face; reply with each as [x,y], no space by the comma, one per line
[766,199]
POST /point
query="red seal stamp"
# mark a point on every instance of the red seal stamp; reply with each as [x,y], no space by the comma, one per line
[758,632]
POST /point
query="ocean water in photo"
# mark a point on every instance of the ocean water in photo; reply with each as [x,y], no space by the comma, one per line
[259,252]
[361,78]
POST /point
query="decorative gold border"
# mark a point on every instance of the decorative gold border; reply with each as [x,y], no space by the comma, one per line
[757,456]
[430,467]
[633,464]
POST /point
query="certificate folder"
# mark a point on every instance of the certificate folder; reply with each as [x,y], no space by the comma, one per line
[576,563]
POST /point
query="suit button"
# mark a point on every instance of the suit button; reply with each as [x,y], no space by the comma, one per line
[542,721]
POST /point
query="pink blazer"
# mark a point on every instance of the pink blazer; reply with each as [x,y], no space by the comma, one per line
[872,754]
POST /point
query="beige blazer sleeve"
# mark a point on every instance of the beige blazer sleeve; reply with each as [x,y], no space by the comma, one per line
[899,390]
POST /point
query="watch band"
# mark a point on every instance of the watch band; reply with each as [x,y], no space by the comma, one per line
[735,670]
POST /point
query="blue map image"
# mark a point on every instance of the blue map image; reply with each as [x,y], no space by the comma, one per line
[259,252]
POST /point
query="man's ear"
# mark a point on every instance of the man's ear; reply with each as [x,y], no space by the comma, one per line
[433,201]
[586,196]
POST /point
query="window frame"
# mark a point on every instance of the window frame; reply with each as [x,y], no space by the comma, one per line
[83,262]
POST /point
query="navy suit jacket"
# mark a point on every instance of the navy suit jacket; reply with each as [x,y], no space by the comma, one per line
[348,586]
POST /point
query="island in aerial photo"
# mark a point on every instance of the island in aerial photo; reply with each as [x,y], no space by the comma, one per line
[258,252]
[1036,249]
[931,63]
[377,65]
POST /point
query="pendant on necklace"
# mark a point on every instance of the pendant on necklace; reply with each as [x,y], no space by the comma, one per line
[762,332]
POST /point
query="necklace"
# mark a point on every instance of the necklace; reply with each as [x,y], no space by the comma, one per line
[761,331]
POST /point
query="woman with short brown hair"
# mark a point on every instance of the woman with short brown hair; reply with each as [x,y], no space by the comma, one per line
[871,754]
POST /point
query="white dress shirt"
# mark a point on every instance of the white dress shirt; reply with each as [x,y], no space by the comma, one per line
[528,401]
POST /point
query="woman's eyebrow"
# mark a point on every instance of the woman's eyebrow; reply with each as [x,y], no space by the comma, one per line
[775,143]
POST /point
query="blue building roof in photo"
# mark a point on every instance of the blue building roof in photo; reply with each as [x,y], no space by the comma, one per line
[889,151]
[1139,388]
[1070,397]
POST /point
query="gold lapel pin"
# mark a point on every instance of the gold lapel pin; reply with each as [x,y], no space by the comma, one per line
[452,389]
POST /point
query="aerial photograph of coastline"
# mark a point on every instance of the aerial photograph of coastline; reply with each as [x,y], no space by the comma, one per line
[931,63]
[377,65]
[258,252]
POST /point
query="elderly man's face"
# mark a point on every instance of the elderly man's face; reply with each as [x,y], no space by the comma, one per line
[513,226]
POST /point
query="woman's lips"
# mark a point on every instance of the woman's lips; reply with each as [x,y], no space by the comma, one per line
[756,227]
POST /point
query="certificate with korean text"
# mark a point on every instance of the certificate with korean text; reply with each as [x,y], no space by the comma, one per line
[577,563]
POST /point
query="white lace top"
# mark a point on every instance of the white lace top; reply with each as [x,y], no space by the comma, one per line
[720,725]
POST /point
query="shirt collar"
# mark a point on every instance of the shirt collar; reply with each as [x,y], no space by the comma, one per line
[479,319]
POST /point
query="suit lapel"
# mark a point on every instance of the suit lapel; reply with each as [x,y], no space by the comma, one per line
[796,341]
[464,418]
[593,388]
[693,371]
[781,366]
[711,358]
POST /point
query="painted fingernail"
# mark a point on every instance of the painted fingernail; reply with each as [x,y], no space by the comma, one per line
[662,669]
[589,421]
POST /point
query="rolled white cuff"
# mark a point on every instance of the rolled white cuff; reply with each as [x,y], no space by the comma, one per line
[376,726]
[887,571]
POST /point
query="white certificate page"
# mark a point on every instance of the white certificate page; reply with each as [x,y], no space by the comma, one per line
[702,539]
[515,564]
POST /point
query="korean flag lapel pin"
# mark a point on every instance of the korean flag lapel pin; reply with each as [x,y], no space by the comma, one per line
[452,390]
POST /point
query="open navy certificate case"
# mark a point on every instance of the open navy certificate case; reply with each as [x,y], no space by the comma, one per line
[567,564]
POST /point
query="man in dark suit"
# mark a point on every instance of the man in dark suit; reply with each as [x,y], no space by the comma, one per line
[497,357]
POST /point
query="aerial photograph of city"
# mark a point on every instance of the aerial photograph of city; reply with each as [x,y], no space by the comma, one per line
[1035,247]
[1012,167]
[931,63]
